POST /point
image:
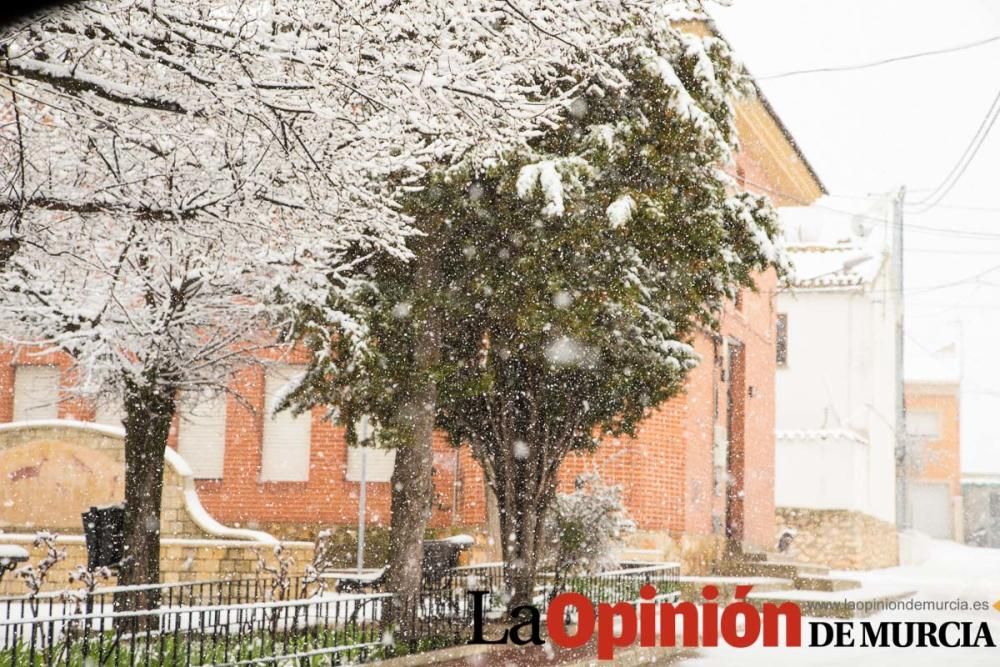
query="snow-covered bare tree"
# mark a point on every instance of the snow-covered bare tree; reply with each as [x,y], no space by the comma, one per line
[179,177]
[561,284]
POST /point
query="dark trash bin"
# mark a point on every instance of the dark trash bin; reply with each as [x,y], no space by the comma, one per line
[440,557]
[104,532]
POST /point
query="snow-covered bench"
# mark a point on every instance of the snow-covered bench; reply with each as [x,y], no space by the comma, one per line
[10,556]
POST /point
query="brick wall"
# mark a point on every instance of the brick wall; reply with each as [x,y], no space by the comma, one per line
[754,327]
[666,469]
[940,458]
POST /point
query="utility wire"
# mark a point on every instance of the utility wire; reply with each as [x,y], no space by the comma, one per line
[879,63]
[952,207]
[945,251]
[956,233]
[959,168]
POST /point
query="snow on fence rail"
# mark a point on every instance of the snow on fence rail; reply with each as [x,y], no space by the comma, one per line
[346,625]
[232,621]
[616,585]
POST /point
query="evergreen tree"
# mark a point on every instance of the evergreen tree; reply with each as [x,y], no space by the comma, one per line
[167,166]
[555,291]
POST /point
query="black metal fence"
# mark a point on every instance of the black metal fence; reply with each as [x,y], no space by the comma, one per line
[621,583]
[244,621]
[344,629]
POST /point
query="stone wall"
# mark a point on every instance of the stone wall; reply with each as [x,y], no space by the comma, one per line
[697,554]
[180,560]
[53,471]
[840,539]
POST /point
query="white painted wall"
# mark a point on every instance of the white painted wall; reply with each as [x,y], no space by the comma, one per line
[822,472]
[840,375]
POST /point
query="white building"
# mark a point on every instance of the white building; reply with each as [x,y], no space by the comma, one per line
[836,385]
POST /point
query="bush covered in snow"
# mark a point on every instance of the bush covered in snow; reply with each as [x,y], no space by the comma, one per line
[585,529]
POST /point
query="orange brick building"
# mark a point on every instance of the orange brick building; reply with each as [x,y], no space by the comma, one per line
[935,471]
[700,469]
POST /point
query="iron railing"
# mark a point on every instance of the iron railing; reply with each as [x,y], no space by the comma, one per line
[344,628]
[245,621]
[620,584]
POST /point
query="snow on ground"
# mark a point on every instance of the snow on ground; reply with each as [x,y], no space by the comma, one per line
[951,572]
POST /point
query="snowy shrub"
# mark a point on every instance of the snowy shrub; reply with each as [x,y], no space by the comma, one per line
[76,599]
[313,583]
[34,576]
[278,575]
[585,529]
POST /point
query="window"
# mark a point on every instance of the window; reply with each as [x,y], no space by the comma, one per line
[285,447]
[995,505]
[109,414]
[923,424]
[36,393]
[378,462]
[781,339]
[201,434]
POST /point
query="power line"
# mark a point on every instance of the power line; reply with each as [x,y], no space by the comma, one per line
[968,155]
[952,207]
[956,233]
[954,251]
[954,283]
[971,150]
[909,291]
[969,207]
[884,61]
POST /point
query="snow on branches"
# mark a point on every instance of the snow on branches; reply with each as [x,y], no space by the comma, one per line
[170,167]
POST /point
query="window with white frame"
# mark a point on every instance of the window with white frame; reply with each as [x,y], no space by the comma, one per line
[378,462]
[201,433]
[286,441]
[923,424]
[36,393]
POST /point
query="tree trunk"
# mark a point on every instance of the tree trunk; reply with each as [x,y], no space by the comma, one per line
[412,481]
[520,524]
[411,511]
[149,411]
[493,531]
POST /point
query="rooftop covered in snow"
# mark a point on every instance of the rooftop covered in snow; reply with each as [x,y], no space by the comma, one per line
[831,245]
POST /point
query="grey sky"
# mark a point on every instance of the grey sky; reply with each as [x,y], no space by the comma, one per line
[906,123]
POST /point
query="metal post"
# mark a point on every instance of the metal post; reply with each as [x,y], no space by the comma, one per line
[361,509]
[363,437]
[902,458]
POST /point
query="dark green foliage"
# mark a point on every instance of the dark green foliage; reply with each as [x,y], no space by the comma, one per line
[571,276]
